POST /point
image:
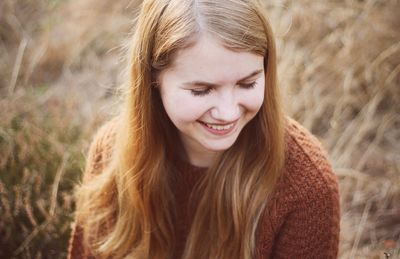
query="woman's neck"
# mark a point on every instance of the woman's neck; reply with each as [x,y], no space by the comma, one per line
[198,156]
[201,159]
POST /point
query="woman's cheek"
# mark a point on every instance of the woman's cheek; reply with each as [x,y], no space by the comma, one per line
[184,107]
[254,100]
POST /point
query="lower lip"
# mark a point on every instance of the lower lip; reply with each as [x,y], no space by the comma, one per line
[218,132]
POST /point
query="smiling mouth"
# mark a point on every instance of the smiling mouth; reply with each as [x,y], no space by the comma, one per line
[220,127]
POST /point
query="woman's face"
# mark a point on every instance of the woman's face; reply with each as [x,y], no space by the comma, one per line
[210,93]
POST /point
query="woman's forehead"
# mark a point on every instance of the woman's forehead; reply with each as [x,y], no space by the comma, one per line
[207,59]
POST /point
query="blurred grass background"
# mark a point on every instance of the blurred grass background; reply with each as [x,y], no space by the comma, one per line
[60,60]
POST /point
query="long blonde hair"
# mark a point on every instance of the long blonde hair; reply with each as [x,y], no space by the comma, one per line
[128,211]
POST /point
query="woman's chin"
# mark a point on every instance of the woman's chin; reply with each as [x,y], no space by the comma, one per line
[218,147]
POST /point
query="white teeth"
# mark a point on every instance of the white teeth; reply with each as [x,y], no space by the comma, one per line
[219,127]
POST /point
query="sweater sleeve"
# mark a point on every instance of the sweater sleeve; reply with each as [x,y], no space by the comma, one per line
[312,229]
[99,153]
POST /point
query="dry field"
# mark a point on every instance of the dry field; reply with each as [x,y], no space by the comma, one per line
[60,61]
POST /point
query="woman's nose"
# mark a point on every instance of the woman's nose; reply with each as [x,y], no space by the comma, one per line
[226,108]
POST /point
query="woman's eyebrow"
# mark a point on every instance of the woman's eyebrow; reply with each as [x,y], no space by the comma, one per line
[208,84]
[253,74]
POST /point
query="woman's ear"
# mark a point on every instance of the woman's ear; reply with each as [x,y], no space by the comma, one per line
[155,80]
[155,84]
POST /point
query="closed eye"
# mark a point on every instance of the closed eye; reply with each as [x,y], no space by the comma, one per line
[203,92]
[248,86]
[198,92]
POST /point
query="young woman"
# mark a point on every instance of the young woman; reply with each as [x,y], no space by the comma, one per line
[201,162]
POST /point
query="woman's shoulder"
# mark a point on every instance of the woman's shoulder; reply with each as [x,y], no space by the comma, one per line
[307,167]
[101,148]
[304,212]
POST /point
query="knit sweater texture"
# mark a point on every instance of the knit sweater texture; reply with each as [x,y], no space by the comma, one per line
[302,219]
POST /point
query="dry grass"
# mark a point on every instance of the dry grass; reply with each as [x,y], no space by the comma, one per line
[40,161]
[339,65]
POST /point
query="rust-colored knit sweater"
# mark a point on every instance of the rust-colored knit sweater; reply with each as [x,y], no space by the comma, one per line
[302,221]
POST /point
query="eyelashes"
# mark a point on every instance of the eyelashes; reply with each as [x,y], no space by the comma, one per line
[203,92]
[248,86]
[200,92]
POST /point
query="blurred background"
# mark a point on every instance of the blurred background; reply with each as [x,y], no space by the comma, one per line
[60,63]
